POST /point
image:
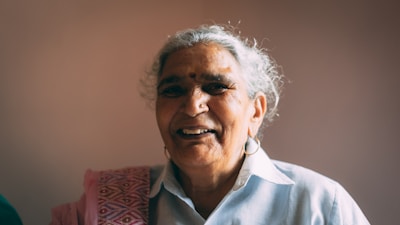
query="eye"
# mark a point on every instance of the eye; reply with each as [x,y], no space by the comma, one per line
[171,91]
[215,88]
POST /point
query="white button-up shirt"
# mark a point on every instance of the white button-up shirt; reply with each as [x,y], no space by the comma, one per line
[265,192]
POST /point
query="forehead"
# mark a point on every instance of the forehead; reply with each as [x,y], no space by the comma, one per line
[200,59]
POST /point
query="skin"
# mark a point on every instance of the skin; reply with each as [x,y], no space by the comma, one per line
[205,116]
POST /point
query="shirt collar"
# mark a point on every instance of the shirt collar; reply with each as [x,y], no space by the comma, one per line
[167,180]
[257,164]
[260,165]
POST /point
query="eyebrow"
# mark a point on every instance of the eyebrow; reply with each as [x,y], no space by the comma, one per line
[204,76]
[215,77]
[169,80]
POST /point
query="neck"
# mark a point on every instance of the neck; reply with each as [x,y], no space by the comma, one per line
[207,186]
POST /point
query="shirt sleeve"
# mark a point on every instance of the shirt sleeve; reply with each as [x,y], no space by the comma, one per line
[345,210]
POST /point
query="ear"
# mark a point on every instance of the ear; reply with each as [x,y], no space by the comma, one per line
[257,117]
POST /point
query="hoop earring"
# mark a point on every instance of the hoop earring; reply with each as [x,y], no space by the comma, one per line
[258,147]
[166,153]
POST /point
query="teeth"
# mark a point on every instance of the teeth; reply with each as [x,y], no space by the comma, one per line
[194,131]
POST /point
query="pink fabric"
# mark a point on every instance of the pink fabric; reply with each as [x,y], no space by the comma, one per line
[111,197]
[90,185]
[69,214]
[123,196]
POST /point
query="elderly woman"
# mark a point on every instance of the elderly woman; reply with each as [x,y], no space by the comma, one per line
[212,92]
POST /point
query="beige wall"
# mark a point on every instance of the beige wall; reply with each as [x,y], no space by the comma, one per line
[69,100]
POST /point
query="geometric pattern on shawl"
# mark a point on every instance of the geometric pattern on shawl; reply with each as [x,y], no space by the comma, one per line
[123,196]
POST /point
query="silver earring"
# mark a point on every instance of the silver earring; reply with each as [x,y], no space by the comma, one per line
[258,147]
[166,153]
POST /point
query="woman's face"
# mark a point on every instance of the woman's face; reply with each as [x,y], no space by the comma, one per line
[203,111]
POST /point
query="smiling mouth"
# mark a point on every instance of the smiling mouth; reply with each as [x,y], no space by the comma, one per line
[194,132]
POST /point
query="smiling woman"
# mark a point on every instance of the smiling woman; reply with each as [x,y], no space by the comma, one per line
[199,120]
[213,91]
[198,112]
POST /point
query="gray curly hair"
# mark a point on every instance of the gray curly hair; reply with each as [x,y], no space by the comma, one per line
[261,71]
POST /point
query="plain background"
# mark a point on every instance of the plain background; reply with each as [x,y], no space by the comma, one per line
[69,101]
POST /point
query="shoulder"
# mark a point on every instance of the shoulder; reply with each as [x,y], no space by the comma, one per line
[155,173]
[313,193]
[156,170]
[303,176]
[309,184]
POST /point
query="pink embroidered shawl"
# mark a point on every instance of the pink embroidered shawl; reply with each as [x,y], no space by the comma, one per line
[111,197]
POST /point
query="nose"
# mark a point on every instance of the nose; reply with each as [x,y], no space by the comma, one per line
[195,103]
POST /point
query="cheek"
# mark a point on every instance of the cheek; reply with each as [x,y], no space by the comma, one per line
[232,110]
[165,111]
[235,103]
[162,115]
